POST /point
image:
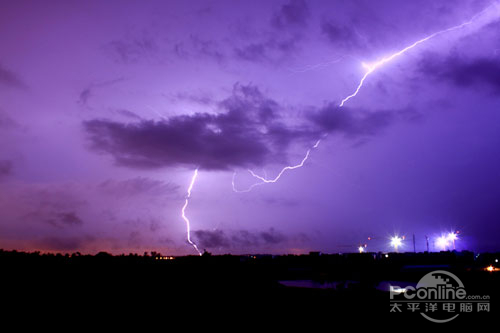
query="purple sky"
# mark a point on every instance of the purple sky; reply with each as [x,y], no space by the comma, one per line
[108,107]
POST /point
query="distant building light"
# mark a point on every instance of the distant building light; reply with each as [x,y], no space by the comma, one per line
[396,242]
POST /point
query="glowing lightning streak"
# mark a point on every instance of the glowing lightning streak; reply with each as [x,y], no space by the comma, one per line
[264,180]
[370,69]
[188,225]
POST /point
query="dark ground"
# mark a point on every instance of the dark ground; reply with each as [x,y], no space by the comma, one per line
[246,288]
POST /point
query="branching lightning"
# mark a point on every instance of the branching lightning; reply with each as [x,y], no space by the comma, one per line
[370,69]
[188,224]
[265,180]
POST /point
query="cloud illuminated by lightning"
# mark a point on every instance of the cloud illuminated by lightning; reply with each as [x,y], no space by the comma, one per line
[188,224]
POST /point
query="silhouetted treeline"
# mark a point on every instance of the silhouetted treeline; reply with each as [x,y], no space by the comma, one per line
[232,282]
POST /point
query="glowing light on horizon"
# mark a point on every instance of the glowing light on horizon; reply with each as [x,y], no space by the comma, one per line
[452,237]
[184,217]
[396,242]
[442,242]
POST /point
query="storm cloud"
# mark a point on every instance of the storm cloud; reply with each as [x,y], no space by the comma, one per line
[245,133]
[238,238]
[341,35]
[248,131]
[294,13]
[478,72]
[62,219]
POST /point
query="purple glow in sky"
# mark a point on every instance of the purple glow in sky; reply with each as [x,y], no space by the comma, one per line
[107,108]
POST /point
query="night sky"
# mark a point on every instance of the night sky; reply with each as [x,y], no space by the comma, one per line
[108,107]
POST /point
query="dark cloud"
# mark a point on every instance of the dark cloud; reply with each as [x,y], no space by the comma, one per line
[272,237]
[282,40]
[255,52]
[341,35]
[247,132]
[270,50]
[87,92]
[244,238]
[69,218]
[5,168]
[84,96]
[134,49]
[136,186]
[208,48]
[212,238]
[10,79]
[63,219]
[462,72]
[293,13]
[198,47]
[238,239]
[353,123]
[180,50]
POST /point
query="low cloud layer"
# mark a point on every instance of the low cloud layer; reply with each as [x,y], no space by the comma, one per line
[211,239]
[65,219]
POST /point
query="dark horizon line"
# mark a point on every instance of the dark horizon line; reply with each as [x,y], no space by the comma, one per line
[154,254]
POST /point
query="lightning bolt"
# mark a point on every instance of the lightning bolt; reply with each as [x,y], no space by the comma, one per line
[265,180]
[184,217]
[370,69]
